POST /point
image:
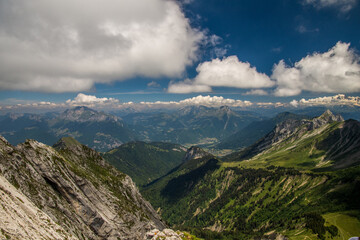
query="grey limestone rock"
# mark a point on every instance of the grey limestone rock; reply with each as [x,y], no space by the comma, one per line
[78,190]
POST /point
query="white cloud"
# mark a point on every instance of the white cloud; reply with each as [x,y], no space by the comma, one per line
[69,45]
[210,101]
[228,72]
[214,101]
[337,70]
[220,52]
[339,99]
[342,5]
[153,84]
[113,104]
[187,86]
[83,99]
[258,92]
[294,103]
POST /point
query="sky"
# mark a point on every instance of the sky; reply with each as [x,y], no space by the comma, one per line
[147,51]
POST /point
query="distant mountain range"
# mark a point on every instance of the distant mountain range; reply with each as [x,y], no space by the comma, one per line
[190,125]
[102,131]
[98,130]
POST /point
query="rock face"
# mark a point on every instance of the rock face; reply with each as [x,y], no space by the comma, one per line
[21,219]
[74,189]
[195,153]
[166,234]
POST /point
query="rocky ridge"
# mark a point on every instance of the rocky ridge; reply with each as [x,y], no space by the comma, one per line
[73,189]
[85,114]
[290,128]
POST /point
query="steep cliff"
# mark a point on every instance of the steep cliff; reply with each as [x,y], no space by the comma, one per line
[76,190]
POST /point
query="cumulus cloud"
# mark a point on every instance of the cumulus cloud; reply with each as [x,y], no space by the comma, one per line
[294,103]
[343,5]
[215,101]
[69,45]
[339,99]
[83,99]
[337,70]
[226,72]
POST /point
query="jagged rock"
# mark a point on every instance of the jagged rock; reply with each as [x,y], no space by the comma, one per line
[195,153]
[78,190]
[166,234]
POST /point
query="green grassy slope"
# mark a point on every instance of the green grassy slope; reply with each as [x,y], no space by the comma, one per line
[334,145]
[305,186]
[145,162]
[250,202]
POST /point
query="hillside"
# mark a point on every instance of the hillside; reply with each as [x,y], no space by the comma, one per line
[321,143]
[258,194]
[254,131]
[145,162]
[68,192]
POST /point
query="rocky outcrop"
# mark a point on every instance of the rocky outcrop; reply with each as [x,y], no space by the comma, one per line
[195,153]
[166,234]
[76,188]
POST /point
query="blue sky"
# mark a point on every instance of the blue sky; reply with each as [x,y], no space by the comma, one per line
[158,50]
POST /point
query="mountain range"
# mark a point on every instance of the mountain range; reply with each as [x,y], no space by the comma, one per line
[103,131]
[98,130]
[192,125]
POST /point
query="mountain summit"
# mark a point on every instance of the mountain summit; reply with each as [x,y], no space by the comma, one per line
[85,114]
